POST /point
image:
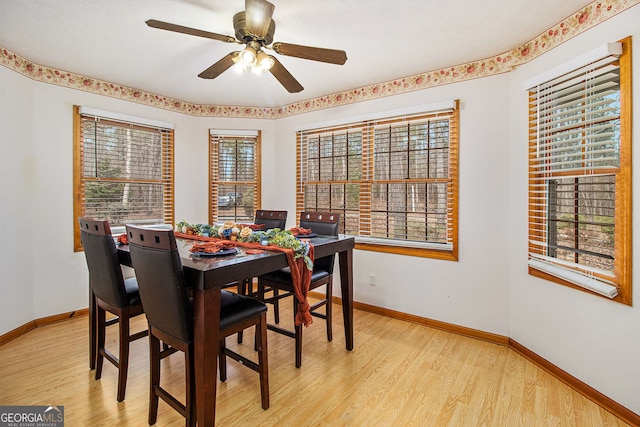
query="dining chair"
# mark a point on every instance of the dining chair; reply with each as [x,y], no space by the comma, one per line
[270,219]
[320,223]
[169,311]
[113,293]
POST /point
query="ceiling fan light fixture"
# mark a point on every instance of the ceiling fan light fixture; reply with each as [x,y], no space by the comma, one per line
[240,68]
[264,61]
[248,56]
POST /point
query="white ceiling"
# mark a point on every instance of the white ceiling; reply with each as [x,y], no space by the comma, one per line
[384,40]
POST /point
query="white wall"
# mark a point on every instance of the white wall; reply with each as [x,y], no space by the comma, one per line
[488,289]
[17,189]
[587,336]
[42,275]
[473,292]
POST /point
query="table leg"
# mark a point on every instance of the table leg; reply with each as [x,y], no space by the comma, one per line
[93,324]
[346,283]
[206,312]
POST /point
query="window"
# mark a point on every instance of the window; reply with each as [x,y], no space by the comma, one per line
[580,177]
[123,169]
[234,175]
[393,180]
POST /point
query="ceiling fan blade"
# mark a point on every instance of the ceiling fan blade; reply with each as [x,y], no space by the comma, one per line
[331,56]
[258,14]
[191,31]
[219,67]
[285,78]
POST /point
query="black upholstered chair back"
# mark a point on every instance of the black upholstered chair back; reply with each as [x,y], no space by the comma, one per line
[100,251]
[271,219]
[325,224]
[163,291]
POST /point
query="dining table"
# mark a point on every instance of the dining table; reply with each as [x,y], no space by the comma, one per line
[207,275]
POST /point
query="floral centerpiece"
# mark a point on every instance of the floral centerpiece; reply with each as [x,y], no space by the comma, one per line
[186,228]
[283,239]
[232,231]
[229,230]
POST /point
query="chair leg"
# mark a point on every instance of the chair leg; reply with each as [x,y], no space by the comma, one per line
[222,361]
[276,306]
[154,377]
[261,291]
[190,407]
[101,332]
[242,290]
[263,363]
[298,346]
[241,287]
[92,329]
[298,335]
[123,358]
[329,311]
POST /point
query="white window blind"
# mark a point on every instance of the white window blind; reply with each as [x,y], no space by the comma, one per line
[394,180]
[234,175]
[574,160]
[126,170]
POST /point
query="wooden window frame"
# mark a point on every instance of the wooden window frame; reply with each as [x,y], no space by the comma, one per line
[622,277]
[214,181]
[167,175]
[395,246]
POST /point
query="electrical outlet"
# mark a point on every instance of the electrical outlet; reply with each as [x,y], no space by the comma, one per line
[372,279]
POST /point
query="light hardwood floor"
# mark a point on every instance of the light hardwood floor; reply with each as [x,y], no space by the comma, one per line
[399,374]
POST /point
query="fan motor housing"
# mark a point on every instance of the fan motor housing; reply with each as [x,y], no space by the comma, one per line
[243,34]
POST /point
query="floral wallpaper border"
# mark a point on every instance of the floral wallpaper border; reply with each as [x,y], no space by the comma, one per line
[588,17]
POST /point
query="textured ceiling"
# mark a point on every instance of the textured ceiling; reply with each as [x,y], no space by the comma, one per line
[384,40]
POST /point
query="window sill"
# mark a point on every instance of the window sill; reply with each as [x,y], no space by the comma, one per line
[621,297]
[447,255]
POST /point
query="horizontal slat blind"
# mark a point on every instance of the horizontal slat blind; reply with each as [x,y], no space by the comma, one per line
[234,190]
[127,172]
[574,159]
[393,180]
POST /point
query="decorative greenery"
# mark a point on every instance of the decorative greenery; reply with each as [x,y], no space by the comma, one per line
[182,225]
[230,231]
[205,229]
[285,239]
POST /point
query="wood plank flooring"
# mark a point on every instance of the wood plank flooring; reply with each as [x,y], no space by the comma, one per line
[399,374]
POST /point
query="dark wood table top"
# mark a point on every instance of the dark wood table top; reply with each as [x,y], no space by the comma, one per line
[242,265]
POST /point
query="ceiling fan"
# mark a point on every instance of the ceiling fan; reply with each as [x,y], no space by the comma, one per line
[254,28]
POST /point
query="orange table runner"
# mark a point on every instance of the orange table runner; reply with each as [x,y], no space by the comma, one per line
[300,274]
